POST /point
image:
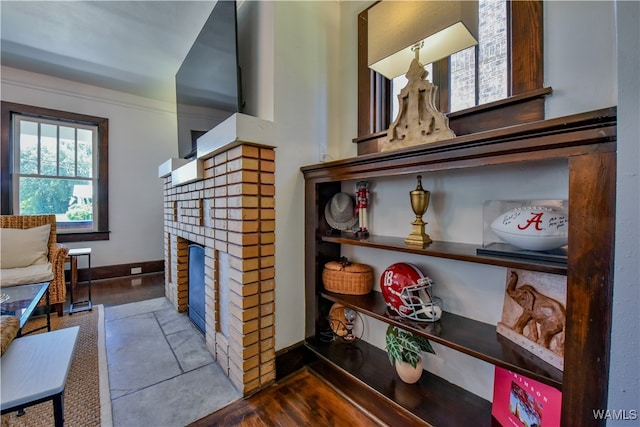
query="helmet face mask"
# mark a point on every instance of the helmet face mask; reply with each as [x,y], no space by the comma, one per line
[408,292]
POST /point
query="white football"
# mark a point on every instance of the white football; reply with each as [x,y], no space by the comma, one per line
[533,228]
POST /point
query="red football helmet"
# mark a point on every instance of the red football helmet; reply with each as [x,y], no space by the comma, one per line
[408,292]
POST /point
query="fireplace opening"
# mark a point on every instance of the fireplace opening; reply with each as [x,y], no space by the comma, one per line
[196,304]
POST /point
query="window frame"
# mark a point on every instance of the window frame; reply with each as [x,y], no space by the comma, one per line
[525,101]
[6,163]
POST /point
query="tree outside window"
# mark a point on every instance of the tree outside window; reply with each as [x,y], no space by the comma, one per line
[54,164]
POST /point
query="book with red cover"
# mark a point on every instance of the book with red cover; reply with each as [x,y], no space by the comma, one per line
[520,401]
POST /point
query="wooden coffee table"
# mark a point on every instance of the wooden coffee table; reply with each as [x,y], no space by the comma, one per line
[21,300]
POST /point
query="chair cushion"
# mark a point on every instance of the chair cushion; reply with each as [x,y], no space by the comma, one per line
[36,273]
[24,247]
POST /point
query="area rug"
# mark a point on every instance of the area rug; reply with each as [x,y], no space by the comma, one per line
[86,400]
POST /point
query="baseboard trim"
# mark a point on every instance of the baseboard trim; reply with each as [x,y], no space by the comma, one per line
[292,358]
[120,270]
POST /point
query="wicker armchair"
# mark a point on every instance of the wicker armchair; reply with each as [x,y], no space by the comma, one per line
[57,253]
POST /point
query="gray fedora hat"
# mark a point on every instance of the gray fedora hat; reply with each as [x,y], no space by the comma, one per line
[339,212]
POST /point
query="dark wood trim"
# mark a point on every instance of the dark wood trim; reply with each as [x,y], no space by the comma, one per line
[6,205]
[365,86]
[592,186]
[497,105]
[82,237]
[526,31]
[291,359]
[103,177]
[120,270]
[5,159]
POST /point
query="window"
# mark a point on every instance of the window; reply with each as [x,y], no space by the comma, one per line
[476,82]
[58,166]
[504,72]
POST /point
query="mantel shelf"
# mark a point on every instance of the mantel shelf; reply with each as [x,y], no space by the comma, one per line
[468,336]
[451,250]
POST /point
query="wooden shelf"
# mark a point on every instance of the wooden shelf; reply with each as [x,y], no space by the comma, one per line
[431,399]
[450,250]
[477,339]
[587,143]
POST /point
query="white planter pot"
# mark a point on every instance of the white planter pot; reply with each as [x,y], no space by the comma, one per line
[408,373]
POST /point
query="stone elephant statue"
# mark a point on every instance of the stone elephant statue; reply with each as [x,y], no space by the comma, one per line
[548,313]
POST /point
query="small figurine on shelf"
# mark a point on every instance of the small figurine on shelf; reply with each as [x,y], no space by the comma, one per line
[362,201]
[350,317]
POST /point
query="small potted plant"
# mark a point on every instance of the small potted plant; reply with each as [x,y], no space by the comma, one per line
[405,353]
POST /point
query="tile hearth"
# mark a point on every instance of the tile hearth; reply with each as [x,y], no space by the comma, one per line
[160,371]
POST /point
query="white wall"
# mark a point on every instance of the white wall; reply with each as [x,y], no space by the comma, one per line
[579,56]
[624,376]
[306,109]
[142,135]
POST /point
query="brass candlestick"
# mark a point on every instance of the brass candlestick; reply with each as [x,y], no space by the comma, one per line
[419,204]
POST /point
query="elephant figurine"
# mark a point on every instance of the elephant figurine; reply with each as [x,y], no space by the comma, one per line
[538,309]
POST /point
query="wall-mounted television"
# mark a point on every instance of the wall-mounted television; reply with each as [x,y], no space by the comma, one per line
[209,83]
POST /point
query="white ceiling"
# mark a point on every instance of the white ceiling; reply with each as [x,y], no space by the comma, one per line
[129,46]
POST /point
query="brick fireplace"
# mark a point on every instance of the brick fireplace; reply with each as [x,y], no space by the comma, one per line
[227,205]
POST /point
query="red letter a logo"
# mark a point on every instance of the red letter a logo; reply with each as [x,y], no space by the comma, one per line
[537,220]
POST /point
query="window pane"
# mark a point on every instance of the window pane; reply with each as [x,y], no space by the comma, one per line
[45,195]
[67,151]
[70,200]
[81,203]
[48,149]
[28,147]
[85,153]
[463,79]
[492,51]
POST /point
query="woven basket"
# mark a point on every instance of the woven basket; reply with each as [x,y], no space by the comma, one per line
[347,278]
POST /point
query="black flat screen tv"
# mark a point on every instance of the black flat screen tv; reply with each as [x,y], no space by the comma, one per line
[208,83]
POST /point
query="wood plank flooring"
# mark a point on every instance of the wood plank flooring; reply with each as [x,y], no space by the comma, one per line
[120,290]
[302,399]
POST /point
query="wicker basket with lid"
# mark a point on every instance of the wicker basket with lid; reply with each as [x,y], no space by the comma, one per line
[344,277]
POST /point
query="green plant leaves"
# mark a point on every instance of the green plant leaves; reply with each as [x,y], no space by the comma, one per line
[405,346]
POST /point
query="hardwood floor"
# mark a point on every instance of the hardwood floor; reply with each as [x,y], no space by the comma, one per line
[121,290]
[302,399]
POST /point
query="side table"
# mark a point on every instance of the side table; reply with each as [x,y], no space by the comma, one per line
[76,306]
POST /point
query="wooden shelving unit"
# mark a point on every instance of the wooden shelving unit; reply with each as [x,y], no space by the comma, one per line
[588,143]
[430,398]
[450,250]
[468,336]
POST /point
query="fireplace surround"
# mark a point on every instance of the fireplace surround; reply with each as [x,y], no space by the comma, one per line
[227,205]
